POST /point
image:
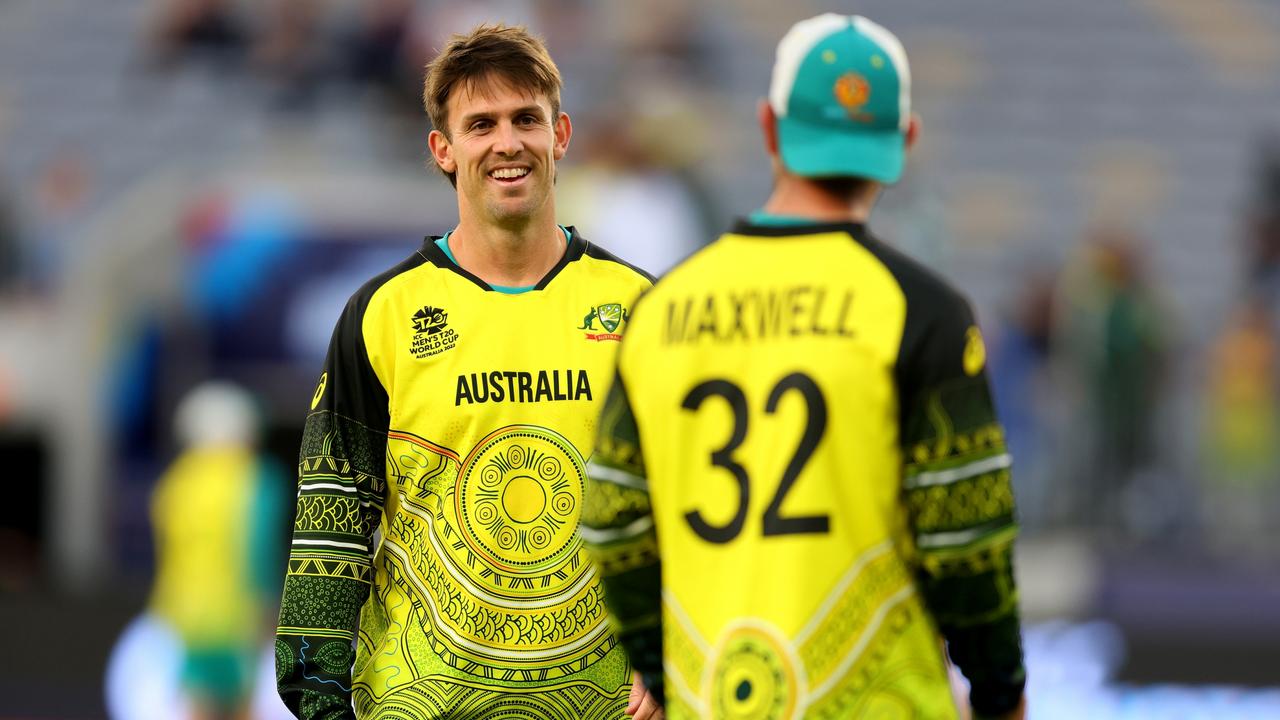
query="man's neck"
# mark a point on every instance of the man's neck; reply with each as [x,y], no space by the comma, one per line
[510,257]
[798,197]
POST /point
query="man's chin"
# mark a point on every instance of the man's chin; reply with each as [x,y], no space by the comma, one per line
[511,213]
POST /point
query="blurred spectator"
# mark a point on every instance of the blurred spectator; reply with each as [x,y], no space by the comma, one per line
[1242,429]
[1113,343]
[11,260]
[218,517]
[1020,355]
[204,29]
[62,193]
[1241,476]
[386,52]
[10,244]
[291,52]
[1262,241]
[375,48]
[1242,414]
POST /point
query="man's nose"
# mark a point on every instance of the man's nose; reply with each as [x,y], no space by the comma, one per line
[507,140]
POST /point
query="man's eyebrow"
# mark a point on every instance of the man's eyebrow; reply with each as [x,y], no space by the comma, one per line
[532,109]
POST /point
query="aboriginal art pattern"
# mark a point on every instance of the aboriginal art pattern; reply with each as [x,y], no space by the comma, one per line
[486,603]
[846,660]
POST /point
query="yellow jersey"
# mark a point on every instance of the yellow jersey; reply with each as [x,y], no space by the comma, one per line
[440,488]
[800,480]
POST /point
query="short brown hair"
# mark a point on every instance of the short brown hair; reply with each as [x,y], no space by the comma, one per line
[511,53]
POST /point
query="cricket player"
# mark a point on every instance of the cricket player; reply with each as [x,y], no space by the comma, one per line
[800,487]
[436,568]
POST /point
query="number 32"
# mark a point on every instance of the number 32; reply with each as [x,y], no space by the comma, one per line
[816,424]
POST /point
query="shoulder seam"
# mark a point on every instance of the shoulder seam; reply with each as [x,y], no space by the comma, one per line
[596,252]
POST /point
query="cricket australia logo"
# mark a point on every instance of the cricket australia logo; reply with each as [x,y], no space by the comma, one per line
[431,332]
[611,317]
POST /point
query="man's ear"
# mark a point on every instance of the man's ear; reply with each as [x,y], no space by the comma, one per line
[768,126]
[442,151]
[564,130]
[913,130]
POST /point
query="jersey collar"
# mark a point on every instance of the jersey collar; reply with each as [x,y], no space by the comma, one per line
[795,228]
[434,255]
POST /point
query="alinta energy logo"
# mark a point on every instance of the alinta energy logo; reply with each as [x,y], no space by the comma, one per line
[431,332]
[611,317]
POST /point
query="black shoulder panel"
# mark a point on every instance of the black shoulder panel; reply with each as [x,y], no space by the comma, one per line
[595,251]
[350,388]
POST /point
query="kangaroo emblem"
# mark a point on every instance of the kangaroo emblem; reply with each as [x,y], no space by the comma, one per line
[588,320]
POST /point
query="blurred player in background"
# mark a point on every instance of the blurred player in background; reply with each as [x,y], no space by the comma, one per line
[799,479]
[442,463]
[217,514]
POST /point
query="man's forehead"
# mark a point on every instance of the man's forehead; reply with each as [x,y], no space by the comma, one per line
[490,93]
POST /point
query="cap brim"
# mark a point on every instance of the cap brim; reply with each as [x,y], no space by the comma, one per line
[814,150]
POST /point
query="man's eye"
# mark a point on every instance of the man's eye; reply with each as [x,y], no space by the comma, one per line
[528,120]
[480,125]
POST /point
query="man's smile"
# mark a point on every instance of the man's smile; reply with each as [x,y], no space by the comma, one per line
[509,175]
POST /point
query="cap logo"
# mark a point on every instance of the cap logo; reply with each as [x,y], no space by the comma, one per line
[852,92]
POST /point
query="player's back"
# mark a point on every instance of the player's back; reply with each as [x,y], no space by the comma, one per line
[765,375]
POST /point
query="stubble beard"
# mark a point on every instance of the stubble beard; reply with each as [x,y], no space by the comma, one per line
[514,215]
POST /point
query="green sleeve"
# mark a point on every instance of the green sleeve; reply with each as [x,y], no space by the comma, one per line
[617,528]
[341,489]
[959,501]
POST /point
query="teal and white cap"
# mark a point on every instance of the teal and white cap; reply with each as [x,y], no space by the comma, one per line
[841,91]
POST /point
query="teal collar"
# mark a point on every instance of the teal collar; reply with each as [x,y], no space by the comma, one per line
[760,217]
[443,244]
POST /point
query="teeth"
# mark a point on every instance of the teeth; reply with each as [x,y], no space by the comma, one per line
[509,173]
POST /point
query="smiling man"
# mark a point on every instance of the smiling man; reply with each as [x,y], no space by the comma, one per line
[436,569]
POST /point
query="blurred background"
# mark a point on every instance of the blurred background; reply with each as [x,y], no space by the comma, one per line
[190,190]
